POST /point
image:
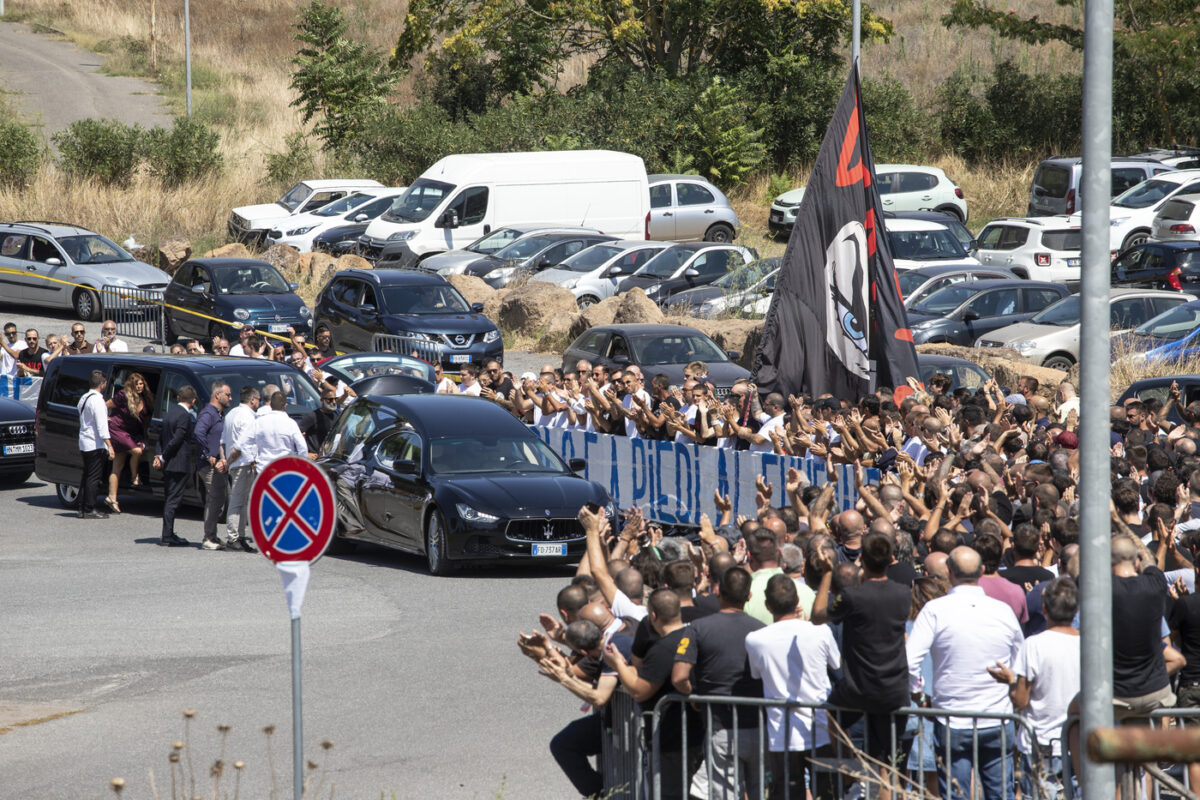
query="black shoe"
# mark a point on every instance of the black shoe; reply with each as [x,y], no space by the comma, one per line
[93,515]
[240,545]
[174,541]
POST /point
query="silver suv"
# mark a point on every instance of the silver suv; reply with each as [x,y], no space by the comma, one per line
[65,266]
[1055,187]
[687,208]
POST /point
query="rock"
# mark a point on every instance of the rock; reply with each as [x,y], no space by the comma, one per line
[472,288]
[558,332]
[491,306]
[636,307]
[601,313]
[315,268]
[350,261]
[284,258]
[737,335]
[234,250]
[172,253]
[527,309]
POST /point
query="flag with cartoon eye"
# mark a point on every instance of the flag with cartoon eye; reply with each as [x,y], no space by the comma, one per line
[837,309]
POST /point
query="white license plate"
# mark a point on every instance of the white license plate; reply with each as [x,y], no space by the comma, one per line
[1072,262]
[278,327]
[17,449]
[777,218]
[549,549]
[460,359]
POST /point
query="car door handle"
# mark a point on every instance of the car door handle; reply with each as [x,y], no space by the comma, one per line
[709,211]
[31,269]
[668,214]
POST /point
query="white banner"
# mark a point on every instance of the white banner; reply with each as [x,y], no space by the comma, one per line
[24,389]
[676,481]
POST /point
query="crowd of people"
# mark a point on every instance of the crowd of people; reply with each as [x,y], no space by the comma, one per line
[950,586]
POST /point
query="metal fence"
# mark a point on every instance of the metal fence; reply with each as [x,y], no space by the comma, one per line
[1174,778]
[137,312]
[622,750]
[407,345]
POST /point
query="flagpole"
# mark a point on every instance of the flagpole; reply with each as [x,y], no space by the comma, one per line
[856,27]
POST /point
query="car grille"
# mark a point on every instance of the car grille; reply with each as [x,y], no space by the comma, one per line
[368,249]
[544,530]
[457,341]
[987,343]
[16,433]
[157,287]
[722,391]
[237,221]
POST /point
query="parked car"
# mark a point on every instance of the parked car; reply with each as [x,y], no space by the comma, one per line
[1170,336]
[1056,183]
[743,290]
[50,257]
[1131,217]
[1177,156]
[962,373]
[236,291]
[460,480]
[18,435]
[782,217]
[340,240]
[1051,337]
[686,208]
[1177,220]
[951,221]
[530,255]
[58,460]
[455,262]
[1039,248]
[918,284]
[964,312]
[593,273]
[362,206]
[1159,265]
[920,243]
[1160,389]
[655,348]
[685,266]
[428,313]
[250,224]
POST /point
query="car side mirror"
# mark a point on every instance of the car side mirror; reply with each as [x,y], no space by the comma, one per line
[448,219]
[477,308]
[615,271]
[54,262]
[577,464]
[361,218]
[734,355]
[969,316]
[403,466]
[200,288]
[620,358]
[367,309]
[293,286]
[691,273]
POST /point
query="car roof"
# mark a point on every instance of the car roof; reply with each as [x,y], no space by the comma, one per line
[1078,160]
[905,224]
[934,270]
[911,167]
[932,360]
[1170,245]
[439,415]
[394,277]
[1039,222]
[529,230]
[997,283]
[54,229]
[205,363]
[647,329]
[1126,292]
[228,263]
[653,179]
[338,183]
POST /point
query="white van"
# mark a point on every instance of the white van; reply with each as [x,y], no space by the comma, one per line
[464,197]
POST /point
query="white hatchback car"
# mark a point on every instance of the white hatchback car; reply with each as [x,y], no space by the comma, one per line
[592,274]
[361,206]
[1132,213]
[919,243]
[1038,248]
[1178,220]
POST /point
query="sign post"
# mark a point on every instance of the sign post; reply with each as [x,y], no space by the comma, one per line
[292,516]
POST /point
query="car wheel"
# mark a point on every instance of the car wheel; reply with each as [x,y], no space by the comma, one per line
[435,544]
[1137,237]
[87,305]
[952,211]
[68,495]
[587,301]
[719,233]
[15,478]
[1059,361]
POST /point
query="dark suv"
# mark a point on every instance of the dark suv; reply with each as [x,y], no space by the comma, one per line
[407,311]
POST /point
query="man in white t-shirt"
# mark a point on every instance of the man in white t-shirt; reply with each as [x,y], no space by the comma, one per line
[633,388]
[444,385]
[771,419]
[8,351]
[469,380]
[108,341]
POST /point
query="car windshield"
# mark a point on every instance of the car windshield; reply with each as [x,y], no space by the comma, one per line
[1172,325]
[1064,313]
[1145,194]
[295,196]
[344,205]
[748,275]
[428,299]
[497,240]
[252,279]
[502,454]
[368,365]
[925,245]
[946,300]
[666,263]
[910,281]
[92,248]
[652,350]
[591,258]
[301,395]
[418,202]
[522,249]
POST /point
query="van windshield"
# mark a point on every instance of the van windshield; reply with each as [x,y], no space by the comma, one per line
[416,204]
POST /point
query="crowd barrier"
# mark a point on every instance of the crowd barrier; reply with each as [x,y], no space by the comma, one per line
[24,389]
[424,349]
[674,483]
[139,313]
[1176,779]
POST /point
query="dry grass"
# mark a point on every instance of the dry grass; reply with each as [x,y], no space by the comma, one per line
[1130,364]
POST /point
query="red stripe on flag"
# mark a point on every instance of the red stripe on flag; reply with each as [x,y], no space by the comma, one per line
[904,334]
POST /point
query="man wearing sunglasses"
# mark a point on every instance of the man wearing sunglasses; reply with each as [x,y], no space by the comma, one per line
[30,361]
[109,343]
[8,351]
[78,342]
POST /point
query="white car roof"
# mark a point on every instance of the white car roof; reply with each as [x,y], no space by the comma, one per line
[903,224]
[909,167]
[1047,222]
[341,183]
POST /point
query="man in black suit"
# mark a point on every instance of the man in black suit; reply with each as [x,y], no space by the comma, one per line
[177,459]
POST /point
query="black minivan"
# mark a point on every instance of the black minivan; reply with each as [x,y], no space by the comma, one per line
[58,460]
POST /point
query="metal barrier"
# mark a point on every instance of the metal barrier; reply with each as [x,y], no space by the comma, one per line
[622,750]
[138,312]
[424,349]
[1178,787]
[827,771]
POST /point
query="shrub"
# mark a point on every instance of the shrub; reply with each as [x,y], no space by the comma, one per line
[20,153]
[185,152]
[898,130]
[295,163]
[777,185]
[725,145]
[104,149]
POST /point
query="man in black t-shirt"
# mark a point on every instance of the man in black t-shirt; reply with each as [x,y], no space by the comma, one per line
[679,577]
[715,663]
[1184,620]
[1139,604]
[1025,571]
[31,360]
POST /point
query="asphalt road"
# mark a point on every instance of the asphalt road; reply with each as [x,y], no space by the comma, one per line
[56,84]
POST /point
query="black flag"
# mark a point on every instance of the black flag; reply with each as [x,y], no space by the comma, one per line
[837,304]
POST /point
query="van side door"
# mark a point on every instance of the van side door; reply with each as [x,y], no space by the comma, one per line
[57,445]
[46,260]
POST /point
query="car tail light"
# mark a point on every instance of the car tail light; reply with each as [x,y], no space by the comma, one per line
[647,224]
[1112,256]
[1184,228]
[1071,201]
[1042,259]
[958,193]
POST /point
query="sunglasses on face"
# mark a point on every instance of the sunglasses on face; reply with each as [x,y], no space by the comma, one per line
[31,338]
[77,333]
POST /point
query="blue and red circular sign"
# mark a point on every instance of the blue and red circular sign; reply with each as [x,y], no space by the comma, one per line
[292,511]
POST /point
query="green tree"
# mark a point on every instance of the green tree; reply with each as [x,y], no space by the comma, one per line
[724,144]
[337,79]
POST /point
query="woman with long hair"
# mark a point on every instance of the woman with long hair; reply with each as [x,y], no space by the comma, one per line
[129,412]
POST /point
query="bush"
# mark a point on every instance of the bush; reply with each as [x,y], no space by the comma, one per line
[898,130]
[185,152]
[104,149]
[725,145]
[20,154]
[295,163]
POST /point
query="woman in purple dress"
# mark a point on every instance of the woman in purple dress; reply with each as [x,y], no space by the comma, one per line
[129,412]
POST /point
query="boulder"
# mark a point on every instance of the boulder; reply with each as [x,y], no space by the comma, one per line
[314,268]
[172,253]
[350,261]
[737,335]
[284,258]
[527,309]
[472,288]
[491,306]
[559,332]
[602,313]
[636,307]
[234,250]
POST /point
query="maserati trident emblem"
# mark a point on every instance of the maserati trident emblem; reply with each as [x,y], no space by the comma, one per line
[548,531]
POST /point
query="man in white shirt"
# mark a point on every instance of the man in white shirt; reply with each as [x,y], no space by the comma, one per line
[633,388]
[94,444]
[9,350]
[444,384]
[237,442]
[469,380]
[771,419]
[964,632]
[276,434]
[264,406]
[108,341]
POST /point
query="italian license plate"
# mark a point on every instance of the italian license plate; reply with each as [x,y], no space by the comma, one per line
[17,449]
[777,218]
[278,327]
[549,549]
[1072,262]
[460,359]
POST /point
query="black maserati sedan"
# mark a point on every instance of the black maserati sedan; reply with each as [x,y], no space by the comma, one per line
[456,479]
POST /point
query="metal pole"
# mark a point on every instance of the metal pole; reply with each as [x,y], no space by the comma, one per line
[187,52]
[297,716]
[856,27]
[1098,781]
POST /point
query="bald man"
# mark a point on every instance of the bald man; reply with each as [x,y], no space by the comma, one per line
[1140,602]
[965,631]
[849,527]
[935,566]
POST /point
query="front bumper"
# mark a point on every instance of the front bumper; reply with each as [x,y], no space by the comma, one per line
[558,539]
[17,447]
[781,220]
[386,254]
[269,325]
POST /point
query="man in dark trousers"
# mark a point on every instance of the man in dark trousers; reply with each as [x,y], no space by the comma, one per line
[94,444]
[210,426]
[177,460]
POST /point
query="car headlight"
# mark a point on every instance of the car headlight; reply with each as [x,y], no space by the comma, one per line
[468,514]
[402,236]
[299,231]
[123,282]
[241,313]
[925,324]
[503,272]
[305,312]
[491,336]
[1023,346]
